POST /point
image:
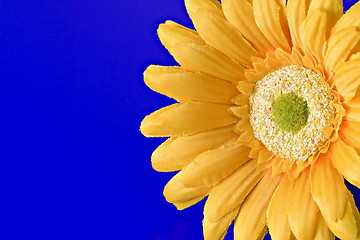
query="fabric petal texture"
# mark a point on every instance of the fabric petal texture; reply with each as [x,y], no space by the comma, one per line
[266,124]
[240,14]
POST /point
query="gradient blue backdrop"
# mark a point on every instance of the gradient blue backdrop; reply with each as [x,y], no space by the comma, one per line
[73,164]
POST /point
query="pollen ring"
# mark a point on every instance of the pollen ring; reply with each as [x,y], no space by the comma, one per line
[304,107]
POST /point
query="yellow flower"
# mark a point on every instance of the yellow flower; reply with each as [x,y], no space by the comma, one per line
[268,119]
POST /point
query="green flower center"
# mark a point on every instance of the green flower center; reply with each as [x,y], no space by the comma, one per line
[290,112]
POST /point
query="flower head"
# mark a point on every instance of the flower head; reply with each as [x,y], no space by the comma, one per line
[268,120]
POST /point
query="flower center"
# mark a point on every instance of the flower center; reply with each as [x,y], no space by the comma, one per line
[289,109]
[290,112]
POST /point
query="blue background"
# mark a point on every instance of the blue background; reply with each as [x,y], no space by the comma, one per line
[73,164]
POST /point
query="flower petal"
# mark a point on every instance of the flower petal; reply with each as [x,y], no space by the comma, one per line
[352,109]
[241,100]
[354,210]
[201,58]
[276,165]
[349,19]
[211,5]
[328,189]
[313,33]
[223,36]
[270,18]
[296,14]
[212,166]
[246,88]
[188,86]
[347,161]
[347,77]
[333,9]
[265,155]
[349,132]
[153,74]
[251,220]
[246,137]
[347,227]
[176,153]
[185,119]
[240,14]
[283,57]
[340,46]
[217,230]
[171,33]
[231,192]
[303,213]
[263,233]
[323,232]
[277,219]
[241,112]
[296,57]
[182,197]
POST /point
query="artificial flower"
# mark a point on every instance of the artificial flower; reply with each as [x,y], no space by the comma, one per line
[268,120]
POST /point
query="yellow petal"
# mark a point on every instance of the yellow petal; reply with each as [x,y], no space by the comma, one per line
[241,112]
[309,61]
[153,74]
[347,161]
[245,137]
[242,125]
[263,233]
[283,57]
[223,36]
[302,210]
[333,9]
[276,165]
[349,132]
[271,61]
[217,230]
[263,166]
[265,155]
[296,56]
[293,172]
[349,19]
[286,166]
[210,5]
[355,211]
[231,192]
[240,14]
[200,58]
[212,166]
[182,197]
[323,232]
[246,88]
[352,109]
[175,153]
[252,75]
[188,86]
[241,100]
[277,219]
[328,188]
[296,14]
[251,220]
[355,56]
[270,18]
[347,78]
[340,46]
[262,68]
[255,146]
[171,33]
[347,227]
[313,33]
[186,118]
